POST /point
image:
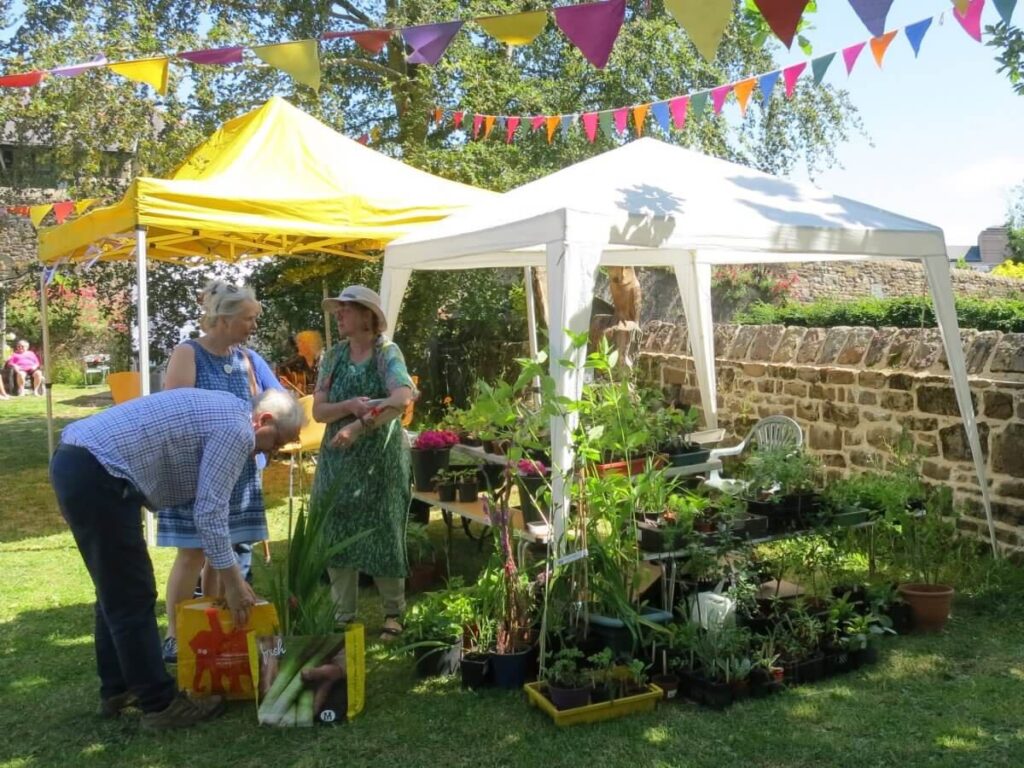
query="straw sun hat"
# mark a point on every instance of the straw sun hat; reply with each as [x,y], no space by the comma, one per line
[358,294]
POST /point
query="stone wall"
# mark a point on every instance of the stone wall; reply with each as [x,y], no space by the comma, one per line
[17,242]
[854,390]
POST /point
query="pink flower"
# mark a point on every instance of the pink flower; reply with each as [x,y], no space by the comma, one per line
[435,440]
[531,467]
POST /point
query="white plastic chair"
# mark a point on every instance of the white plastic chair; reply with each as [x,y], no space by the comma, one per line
[770,432]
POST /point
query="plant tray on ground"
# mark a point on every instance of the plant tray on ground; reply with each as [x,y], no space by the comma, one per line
[536,693]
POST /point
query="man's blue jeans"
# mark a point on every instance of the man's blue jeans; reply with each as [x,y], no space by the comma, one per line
[104,515]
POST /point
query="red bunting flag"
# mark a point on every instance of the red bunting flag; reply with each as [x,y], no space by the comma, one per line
[22,80]
[536,122]
[457,119]
[478,120]
[790,75]
[510,129]
[850,56]
[62,210]
[372,40]
[590,125]
[783,16]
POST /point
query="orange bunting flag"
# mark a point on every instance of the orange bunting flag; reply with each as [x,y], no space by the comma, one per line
[300,60]
[517,29]
[880,44]
[152,72]
[38,212]
[552,123]
[438,115]
[743,90]
[488,124]
[639,116]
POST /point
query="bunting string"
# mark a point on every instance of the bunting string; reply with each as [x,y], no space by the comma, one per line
[61,210]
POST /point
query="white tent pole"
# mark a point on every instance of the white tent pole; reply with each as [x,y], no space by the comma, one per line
[143,294]
[47,383]
[327,319]
[531,322]
[941,285]
[392,290]
[694,281]
[571,271]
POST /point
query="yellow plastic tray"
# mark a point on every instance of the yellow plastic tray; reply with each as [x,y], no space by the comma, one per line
[592,713]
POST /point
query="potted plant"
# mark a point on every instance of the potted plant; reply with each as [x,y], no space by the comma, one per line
[477,643]
[782,485]
[674,427]
[433,630]
[534,489]
[929,551]
[863,633]
[446,485]
[799,642]
[430,453]
[468,486]
[425,569]
[766,675]
[568,683]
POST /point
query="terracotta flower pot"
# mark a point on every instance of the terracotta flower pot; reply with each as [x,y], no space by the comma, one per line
[929,604]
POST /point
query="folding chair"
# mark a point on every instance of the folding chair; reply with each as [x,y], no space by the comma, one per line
[770,432]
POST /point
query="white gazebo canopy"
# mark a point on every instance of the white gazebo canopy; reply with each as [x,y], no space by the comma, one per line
[649,203]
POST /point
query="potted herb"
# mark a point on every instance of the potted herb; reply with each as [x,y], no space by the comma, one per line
[929,551]
[468,486]
[446,485]
[568,683]
[431,451]
[675,426]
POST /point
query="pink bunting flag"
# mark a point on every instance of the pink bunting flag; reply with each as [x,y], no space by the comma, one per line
[536,122]
[429,41]
[74,70]
[62,210]
[970,19]
[718,97]
[511,126]
[590,125]
[850,55]
[478,120]
[592,27]
[678,109]
[230,55]
[790,75]
[620,116]
[457,119]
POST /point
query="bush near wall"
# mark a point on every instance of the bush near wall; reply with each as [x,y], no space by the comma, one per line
[1006,315]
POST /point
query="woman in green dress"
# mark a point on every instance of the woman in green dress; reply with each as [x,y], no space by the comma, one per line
[362,479]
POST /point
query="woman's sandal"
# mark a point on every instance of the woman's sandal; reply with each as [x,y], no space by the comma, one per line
[387,634]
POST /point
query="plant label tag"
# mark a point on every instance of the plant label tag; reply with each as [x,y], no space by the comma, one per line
[572,557]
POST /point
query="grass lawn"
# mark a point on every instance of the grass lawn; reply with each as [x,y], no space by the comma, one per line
[951,700]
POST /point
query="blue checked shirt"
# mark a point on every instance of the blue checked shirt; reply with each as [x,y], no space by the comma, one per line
[184,446]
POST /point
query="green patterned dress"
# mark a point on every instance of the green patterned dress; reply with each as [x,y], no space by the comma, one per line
[367,485]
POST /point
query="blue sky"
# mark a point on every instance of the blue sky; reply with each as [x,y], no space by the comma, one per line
[946,127]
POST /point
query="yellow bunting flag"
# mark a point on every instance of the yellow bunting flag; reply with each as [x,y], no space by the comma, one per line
[38,212]
[743,89]
[552,123]
[705,22]
[152,72]
[488,124]
[518,29]
[83,205]
[880,44]
[639,116]
[300,60]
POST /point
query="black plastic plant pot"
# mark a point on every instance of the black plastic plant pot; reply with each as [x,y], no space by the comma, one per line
[901,617]
[780,517]
[750,526]
[446,491]
[491,476]
[689,458]
[717,695]
[569,698]
[510,670]
[438,661]
[426,464]
[530,488]
[468,491]
[809,670]
[838,661]
[476,670]
[669,685]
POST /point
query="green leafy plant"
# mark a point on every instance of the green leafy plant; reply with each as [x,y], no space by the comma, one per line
[564,669]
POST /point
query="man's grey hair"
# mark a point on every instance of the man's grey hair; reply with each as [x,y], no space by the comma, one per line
[286,410]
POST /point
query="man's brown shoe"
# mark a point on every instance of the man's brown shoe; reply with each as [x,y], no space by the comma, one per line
[183,712]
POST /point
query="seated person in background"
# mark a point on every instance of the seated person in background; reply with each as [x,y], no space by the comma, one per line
[24,364]
[299,372]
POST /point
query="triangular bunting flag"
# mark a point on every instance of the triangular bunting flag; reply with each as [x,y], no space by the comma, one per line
[510,128]
[879,45]
[429,41]
[592,27]
[438,115]
[915,34]
[74,70]
[488,125]
[718,97]
[1005,8]
[372,40]
[961,5]
[22,79]
[62,210]
[697,103]
[478,121]
[705,22]
[873,13]
[620,116]
[536,122]
[300,60]
[639,116]
[790,75]
[605,121]
[517,29]
[850,56]
[500,124]
[783,16]
[743,89]
[590,125]
[18,210]
[767,83]
[678,108]
[82,205]
[970,19]
[567,121]
[457,119]
[38,212]
[820,65]
[552,125]
[152,72]
[231,55]
[660,112]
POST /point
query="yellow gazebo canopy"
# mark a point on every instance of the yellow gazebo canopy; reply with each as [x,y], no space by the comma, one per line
[274,181]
